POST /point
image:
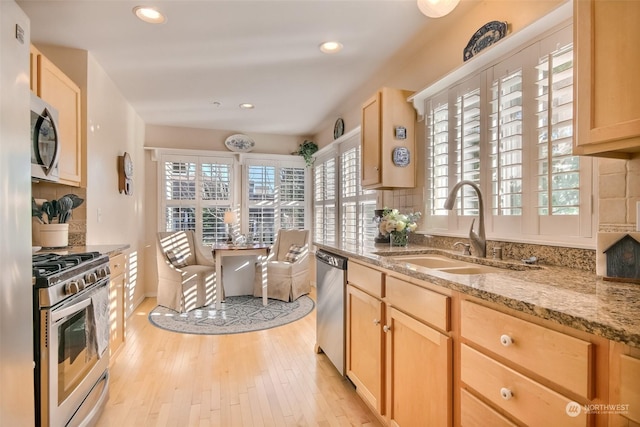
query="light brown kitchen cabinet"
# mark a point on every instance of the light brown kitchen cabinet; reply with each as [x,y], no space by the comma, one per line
[418,357]
[388,140]
[399,356]
[117,264]
[53,86]
[607,59]
[624,385]
[364,335]
[513,363]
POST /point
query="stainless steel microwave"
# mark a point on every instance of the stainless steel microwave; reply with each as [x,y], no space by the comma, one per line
[45,142]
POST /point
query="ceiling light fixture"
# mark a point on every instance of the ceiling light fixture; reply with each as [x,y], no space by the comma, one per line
[331,47]
[247,106]
[437,8]
[149,14]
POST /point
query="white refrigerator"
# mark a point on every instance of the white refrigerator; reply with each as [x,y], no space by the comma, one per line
[16,289]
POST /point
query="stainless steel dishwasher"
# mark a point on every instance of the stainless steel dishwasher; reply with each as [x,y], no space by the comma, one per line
[331,276]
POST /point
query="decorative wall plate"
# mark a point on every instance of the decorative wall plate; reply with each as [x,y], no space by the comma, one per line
[338,129]
[239,143]
[487,35]
[401,156]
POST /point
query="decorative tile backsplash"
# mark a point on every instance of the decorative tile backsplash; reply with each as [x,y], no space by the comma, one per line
[582,259]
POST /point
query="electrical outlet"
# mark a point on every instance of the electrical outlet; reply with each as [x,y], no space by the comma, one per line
[99,215]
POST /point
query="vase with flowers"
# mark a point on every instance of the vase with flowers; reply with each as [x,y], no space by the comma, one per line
[398,226]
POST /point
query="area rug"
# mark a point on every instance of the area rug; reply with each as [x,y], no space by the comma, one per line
[238,314]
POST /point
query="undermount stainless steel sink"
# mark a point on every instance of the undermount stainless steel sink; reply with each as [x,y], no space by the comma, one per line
[446,264]
[430,261]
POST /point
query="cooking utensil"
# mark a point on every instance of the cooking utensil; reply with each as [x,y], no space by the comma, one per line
[47,209]
[36,211]
[77,201]
[65,204]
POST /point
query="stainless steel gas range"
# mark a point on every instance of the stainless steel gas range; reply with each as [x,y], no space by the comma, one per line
[71,337]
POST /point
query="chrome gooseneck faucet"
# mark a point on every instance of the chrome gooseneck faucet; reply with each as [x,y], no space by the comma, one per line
[478,240]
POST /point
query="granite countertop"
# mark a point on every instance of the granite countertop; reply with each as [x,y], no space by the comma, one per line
[103,249]
[570,297]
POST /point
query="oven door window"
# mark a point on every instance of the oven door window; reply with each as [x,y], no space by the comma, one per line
[75,354]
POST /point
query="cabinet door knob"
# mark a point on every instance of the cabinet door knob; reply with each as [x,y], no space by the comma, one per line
[386,328]
[376,321]
[506,393]
[506,340]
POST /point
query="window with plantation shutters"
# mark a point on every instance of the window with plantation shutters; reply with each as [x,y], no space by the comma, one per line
[357,205]
[197,190]
[275,198]
[506,142]
[438,155]
[467,141]
[509,128]
[325,200]
[558,170]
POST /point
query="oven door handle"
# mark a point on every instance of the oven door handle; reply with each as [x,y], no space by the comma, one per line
[62,313]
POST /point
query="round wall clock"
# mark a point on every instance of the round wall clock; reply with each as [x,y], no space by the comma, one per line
[338,129]
[125,174]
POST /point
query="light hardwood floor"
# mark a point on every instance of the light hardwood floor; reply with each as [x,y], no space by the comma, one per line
[264,378]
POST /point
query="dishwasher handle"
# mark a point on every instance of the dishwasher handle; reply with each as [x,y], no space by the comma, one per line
[333,260]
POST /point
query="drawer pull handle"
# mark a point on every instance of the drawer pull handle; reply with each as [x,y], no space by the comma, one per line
[506,340]
[376,322]
[386,328]
[506,393]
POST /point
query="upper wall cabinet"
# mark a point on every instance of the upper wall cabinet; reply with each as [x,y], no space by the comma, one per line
[606,35]
[388,141]
[52,85]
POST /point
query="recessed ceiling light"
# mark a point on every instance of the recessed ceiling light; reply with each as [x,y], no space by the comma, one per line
[247,106]
[149,14]
[331,47]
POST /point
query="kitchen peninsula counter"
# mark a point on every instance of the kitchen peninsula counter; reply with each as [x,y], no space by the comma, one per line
[569,297]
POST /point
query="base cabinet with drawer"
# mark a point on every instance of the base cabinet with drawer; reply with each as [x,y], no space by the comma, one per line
[422,355]
[419,356]
[398,353]
[364,335]
[624,386]
[116,304]
[527,373]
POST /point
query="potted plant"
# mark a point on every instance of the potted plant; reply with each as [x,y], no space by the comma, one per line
[307,149]
[52,228]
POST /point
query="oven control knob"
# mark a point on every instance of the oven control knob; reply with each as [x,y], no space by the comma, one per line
[71,288]
[91,278]
[81,284]
[103,272]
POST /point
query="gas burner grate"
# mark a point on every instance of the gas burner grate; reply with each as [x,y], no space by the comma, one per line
[45,265]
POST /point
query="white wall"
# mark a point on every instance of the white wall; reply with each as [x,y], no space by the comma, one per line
[113,218]
[435,51]
[110,127]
